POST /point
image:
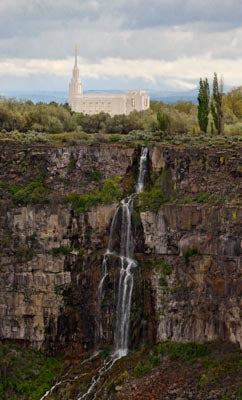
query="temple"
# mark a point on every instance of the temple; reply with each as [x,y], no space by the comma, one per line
[113,104]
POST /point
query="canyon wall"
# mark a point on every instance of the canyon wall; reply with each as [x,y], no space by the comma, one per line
[188,280]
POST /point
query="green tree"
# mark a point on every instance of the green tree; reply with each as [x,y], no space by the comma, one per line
[233,101]
[203,104]
[217,108]
[163,121]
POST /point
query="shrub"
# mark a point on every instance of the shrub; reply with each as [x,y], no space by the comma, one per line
[164,266]
[141,369]
[115,138]
[27,374]
[163,121]
[183,351]
[33,193]
[189,252]
[121,378]
[24,137]
[71,165]
[64,250]
[136,218]
[82,251]
[24,254]
[110,192]
[155,361]
[151,200]
[203,197]
[95,176]
[203,380]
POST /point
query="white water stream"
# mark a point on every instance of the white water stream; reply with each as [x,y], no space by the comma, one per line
[122,222]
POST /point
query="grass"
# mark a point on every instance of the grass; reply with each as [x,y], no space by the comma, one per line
[110,192]
[26,373]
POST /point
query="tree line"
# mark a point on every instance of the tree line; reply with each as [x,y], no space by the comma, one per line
[214,113]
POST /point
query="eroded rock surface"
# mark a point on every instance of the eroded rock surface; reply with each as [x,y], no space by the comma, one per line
[51,258]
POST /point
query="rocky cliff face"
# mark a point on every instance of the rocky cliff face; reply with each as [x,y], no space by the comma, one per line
[187,286]
[201,298]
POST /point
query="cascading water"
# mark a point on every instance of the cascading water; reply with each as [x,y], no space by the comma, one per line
[125,256]
[142,170]
[122,222]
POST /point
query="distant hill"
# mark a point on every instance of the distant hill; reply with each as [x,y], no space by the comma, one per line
[62,96]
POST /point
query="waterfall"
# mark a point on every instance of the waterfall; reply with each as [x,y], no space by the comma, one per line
[142,170]
[122,221]
[123,251]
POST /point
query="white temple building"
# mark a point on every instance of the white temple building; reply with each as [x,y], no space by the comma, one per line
[113,104]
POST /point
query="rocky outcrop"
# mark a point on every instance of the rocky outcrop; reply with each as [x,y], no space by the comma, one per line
[51,257]
[212,230]
[46,246]
[201,298]
[65,169]
[213,169]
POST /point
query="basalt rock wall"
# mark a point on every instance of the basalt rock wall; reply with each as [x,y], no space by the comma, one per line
[48,294]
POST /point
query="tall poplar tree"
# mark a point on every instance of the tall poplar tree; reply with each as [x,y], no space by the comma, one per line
[203,104]
[217,105]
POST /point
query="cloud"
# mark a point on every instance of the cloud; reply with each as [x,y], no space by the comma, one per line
[125,37]
[183,72]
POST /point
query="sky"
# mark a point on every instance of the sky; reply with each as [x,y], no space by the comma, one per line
[122,44]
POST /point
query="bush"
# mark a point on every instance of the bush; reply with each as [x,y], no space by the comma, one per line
[151,200]
[24,137]
[183,351]
[24,254]
[189,252]
[27,373]
[203,197]
[203,380]
[136,218]
[110,192]
[141,369]
[33,193]
[121,378]
[95,176]
[155,361]
[163,121]
[64,250]
[163,266]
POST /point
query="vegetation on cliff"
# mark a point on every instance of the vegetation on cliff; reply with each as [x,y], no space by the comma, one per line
[110,192]
[33,193]
[159,191]
[26,373]
[186,370]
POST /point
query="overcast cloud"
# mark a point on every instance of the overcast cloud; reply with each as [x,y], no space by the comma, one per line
[157,42]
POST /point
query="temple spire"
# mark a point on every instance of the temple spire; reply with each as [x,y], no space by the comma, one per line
[76,55]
